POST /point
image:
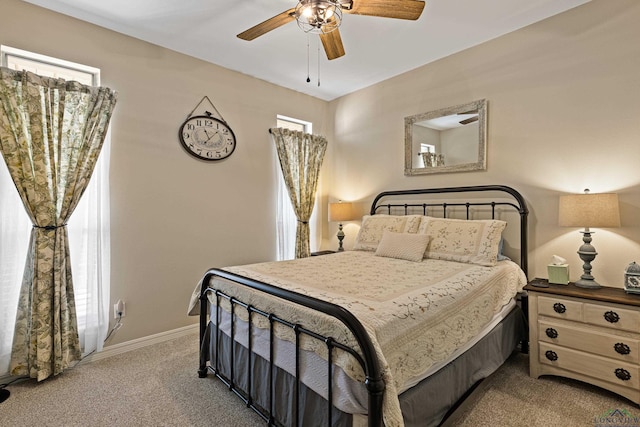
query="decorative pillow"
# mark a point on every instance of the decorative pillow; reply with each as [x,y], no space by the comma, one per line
[407,246]
[373,225]
[471,241]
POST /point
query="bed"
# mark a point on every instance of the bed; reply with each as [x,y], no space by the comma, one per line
[395,332]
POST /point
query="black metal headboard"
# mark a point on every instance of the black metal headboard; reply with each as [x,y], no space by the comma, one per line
[516,202]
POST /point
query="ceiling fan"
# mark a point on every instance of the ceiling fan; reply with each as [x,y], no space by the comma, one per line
[323,17]
[470,119]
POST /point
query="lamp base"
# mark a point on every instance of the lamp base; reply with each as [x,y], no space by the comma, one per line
[587,254]
[588,284]
[340,237]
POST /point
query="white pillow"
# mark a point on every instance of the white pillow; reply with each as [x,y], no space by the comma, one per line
[408,246]
[471,241]
[372,227]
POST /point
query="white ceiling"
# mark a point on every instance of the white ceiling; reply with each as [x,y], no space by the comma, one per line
[376,48]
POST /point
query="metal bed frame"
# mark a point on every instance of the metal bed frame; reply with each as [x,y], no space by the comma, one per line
[366,356]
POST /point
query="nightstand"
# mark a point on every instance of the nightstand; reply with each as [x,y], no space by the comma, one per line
[591,335]
[322,253]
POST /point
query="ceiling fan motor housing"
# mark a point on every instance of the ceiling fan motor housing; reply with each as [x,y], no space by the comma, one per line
[318,16]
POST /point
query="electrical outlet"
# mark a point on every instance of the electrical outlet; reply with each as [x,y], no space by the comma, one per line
[118,309]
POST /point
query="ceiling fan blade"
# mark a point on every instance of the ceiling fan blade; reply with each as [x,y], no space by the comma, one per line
[268,25]
[398,9]
[469,120]
[332,43]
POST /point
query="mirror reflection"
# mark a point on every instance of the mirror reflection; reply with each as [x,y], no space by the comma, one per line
[451,139]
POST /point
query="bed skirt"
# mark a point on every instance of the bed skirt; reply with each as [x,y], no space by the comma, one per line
[426,404]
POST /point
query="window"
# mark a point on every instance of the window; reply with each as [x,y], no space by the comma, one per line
[88,227]
[18,59]
[286,220]
[294,124]
[425,148]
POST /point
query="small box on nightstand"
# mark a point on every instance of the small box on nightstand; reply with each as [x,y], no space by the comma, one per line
[558,273]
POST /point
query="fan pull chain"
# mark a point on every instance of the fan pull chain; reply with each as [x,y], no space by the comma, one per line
[308,60]
[318,62]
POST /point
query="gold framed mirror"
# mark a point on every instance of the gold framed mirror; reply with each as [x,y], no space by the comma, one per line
[452,139]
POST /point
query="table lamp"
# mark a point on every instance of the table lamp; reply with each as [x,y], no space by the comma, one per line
[589,210]
[340,212]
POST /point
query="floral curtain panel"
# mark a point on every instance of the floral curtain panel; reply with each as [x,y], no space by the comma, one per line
[301,156]
[51,133]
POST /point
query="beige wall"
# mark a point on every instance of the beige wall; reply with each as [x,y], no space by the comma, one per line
[564,115]
[172,216]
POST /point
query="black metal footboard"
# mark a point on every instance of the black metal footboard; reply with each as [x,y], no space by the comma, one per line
[366,357]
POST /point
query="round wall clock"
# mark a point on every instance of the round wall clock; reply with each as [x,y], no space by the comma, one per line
[207,137]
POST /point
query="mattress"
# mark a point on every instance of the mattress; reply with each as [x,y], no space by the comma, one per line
[440,306]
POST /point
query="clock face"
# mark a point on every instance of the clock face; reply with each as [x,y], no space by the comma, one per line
[207,138]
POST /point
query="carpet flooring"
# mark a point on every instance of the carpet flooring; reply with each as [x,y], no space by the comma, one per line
[159,386]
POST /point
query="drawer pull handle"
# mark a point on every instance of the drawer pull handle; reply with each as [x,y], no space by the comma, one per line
[611,317]
[623,374]
[553,356]
[622,348]
[552,333]
[559,308]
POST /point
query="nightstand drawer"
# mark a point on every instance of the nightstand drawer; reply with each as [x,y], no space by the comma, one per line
[613,371]
[581,338]
[560,308]
[612,317]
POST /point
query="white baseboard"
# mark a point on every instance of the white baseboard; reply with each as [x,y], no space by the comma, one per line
[127,346]
[124,347]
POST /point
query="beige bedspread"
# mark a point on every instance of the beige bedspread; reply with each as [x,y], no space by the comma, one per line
[416,313]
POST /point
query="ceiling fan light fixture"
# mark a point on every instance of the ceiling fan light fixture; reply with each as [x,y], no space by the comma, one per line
[318,16]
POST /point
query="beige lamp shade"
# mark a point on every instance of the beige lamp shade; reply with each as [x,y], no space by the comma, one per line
[339,212]
[589,210]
